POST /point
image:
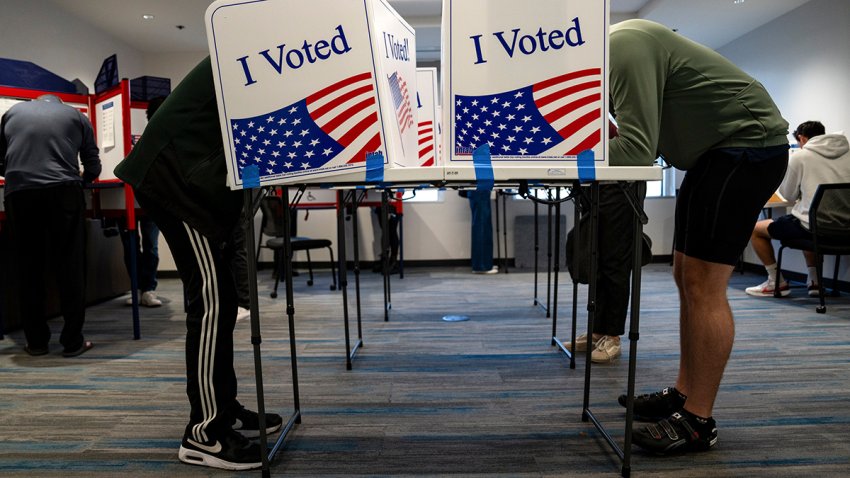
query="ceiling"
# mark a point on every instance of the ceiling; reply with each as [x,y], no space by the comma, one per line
[178,25]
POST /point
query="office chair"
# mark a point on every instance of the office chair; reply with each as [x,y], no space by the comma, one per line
[829,222]
[272,226]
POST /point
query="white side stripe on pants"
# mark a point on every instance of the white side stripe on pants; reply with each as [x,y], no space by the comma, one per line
[209,329]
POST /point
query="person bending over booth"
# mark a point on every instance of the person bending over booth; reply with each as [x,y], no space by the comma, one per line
[822,159]
[40,141]
[708,117]
[178,172]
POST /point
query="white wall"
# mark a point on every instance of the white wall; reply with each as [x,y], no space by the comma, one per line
[802,59]
[172,65]
[38,32]
[437,231]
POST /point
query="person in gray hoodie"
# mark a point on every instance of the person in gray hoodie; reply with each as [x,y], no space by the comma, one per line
[822,159]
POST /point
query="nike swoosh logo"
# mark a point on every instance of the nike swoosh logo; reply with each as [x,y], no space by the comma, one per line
[215,448]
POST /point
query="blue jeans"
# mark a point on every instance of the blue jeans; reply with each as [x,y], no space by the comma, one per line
[482,230]
[147,253]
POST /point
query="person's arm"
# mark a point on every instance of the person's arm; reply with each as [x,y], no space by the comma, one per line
[637,75]
[89,153]
[790,187]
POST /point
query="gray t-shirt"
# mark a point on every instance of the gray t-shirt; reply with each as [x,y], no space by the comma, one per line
[39,144]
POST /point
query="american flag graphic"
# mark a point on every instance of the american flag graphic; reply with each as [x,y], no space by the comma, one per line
[555,117]
[426,143]
[401,102]
[338,122]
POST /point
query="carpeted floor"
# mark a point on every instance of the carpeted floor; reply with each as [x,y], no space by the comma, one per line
[426,397]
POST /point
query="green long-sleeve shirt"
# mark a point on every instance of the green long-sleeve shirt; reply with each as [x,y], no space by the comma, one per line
[179,160]
[678,98]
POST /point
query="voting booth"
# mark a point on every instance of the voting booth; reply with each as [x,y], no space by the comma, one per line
[311,89]
[525,86]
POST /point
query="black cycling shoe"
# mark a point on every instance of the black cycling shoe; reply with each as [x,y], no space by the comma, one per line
[247,422]
[657,405]
[227,451]
[681,432]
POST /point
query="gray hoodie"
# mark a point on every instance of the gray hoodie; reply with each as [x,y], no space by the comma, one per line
[824,159]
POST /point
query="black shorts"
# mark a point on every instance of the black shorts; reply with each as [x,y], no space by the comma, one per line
[788,228]
[720,200]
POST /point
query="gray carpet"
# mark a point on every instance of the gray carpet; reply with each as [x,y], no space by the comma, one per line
[488,396]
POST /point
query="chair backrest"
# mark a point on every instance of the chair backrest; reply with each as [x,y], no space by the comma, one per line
[273,222]
[829,215]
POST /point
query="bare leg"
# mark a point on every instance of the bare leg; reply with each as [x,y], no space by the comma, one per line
[760,240]
[707,330]
[682,381]
[811,260]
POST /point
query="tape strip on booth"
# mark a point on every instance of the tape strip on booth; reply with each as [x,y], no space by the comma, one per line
[375,167]
[483,168]
[586,166]
[251,176]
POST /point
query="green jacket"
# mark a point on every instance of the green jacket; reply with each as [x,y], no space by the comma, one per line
[678,98]
[179,160]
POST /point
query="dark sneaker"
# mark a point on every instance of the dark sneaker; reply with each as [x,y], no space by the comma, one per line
[814,290]
[247,422]
[230,451]
[677,434]
[657,405]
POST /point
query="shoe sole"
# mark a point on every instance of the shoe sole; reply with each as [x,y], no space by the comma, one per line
[604,360]
[144,304]
[680,448]
[83,349]
[782,293]
[194,457]
[35,352]
[256,433]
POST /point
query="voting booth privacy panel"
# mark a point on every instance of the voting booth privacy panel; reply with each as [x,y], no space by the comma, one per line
[426,100]
[528,81]
[311,89]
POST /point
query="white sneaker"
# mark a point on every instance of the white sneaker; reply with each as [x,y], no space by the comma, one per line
[607,349]
[765,289]
[242,313]
[581,343]
[149,299]
[129,300]
[493,270]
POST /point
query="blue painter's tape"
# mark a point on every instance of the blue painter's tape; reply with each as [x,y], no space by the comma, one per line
[375,167]
[483,168]
[586,166]
[251,176]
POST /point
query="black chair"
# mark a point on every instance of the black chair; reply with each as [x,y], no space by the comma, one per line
[272,208]
[829,222]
